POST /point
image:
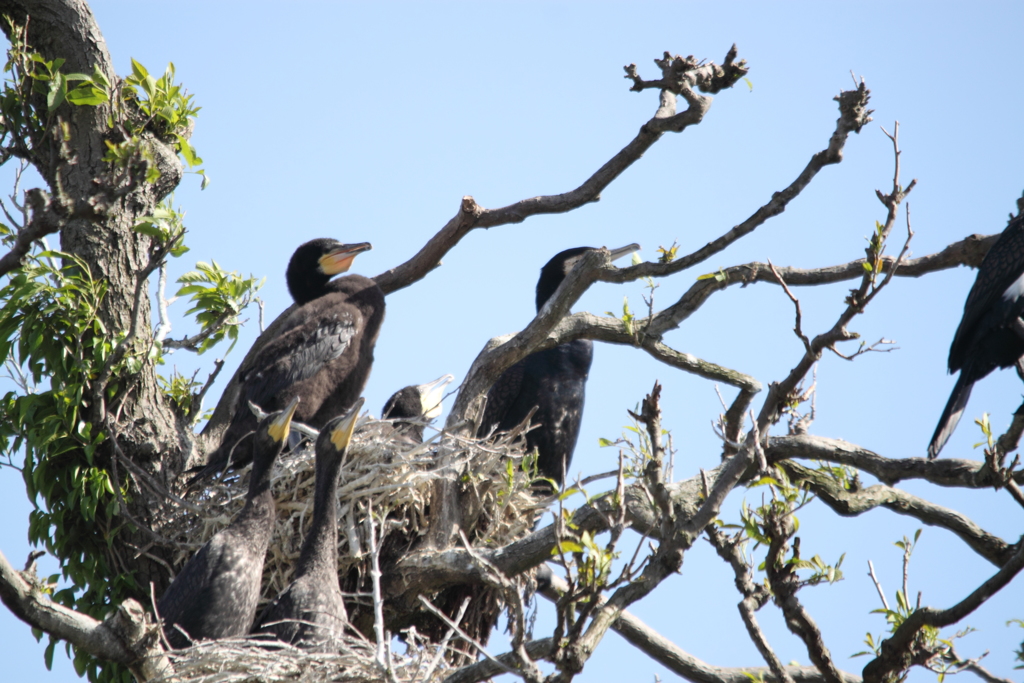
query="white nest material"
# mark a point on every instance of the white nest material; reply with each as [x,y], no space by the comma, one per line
[243,660]
[494,478]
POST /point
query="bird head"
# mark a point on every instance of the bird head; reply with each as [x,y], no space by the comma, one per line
[562,263]
[314,264]
[278,425]
[337,434]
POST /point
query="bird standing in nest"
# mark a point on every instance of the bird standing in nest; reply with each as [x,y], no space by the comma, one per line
[413,406]
[323,353]
[310,613]
[215,594]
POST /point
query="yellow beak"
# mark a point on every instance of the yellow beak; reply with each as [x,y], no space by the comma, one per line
[341,433]
[282,424]
[340,260]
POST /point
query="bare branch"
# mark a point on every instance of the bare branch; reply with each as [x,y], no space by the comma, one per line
[670,655]
[754,597]
[709,77]
[946,472]
[126,637]
[48,217]
[967,252]
[797,330]
[878,585]
[192,343]
[488,668]
[854,115]
[855,502]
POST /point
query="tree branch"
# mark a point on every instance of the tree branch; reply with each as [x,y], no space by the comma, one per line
[897,651]
[471,216]
[945,472]
[855,502]
[48,217]
[853,115]
[126,637]
[680,662]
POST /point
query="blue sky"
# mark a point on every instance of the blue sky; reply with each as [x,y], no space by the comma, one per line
[370,122]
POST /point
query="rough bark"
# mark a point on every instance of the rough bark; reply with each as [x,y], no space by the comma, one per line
[98,227]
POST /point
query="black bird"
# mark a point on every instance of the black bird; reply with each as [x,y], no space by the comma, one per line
[323,353]
[215,594]
[310,613]
[991,333]
[552,380]
[420,403]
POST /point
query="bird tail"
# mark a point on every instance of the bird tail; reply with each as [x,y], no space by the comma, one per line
[951,415]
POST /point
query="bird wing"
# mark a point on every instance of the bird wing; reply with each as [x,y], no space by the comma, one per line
[300,353]
[1002,266]
[502,397]
[187,586]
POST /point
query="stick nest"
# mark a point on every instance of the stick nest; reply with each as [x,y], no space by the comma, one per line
[243,660]
[385,474]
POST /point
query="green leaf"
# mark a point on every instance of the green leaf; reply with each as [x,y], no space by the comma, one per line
[87,95]
[568,547]
[57,92]
[138,71]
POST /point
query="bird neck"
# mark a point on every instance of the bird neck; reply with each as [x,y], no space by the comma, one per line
[320,549]
[414,431]
[258,510]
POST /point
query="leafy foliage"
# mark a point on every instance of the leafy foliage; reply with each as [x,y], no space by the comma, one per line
[52,339]
[218,298]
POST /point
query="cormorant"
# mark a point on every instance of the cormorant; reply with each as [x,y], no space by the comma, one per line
[310,613]
[552,380]
[214,595]
[991,333]
[323,353]
[421,403]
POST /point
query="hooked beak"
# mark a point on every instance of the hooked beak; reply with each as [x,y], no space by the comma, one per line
[622,251]
[282,424]
[340,260]
[341,432]
[431,395]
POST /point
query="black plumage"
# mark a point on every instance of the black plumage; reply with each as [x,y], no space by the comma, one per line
[991,332]
[413,406]
[323,353]
[553,381]
[215,594]
[310,613]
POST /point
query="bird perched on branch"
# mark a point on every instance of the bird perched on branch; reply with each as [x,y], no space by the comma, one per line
[310,613]
[414,405]
[991,333]
[215,594]
[323,353]
[553,381]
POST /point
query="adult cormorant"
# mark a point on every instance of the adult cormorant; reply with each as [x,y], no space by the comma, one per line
[215,594]
[323,353]
[991,333]
[420,403]
[552,380]
[310,613]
